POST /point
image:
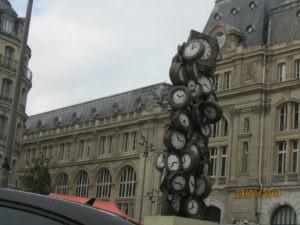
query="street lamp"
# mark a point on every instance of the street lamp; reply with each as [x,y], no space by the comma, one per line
[149,147]
[151,198]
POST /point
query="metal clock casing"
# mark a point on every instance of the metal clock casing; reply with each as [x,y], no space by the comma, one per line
[173,162]
[211,111]
[180,97]
[194,207]
[181,120]
[175,140]
[178,182]
[203,186]
[160,161]
[189,160]
[193,50]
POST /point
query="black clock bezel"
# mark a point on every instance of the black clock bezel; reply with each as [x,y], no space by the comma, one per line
[219,112]
[185,103]
[156,158]
[208,186]
[171,177]
[194,159]
[194,57]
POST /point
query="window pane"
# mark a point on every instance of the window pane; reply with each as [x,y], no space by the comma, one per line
[17,217]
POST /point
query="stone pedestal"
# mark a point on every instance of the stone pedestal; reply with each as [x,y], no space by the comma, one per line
[174,220]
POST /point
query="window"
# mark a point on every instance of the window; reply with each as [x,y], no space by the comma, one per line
[27,159]
[49,152]
[82,184]
[134,135]
[252,4]
[295,156]
[283,118]
[68,151]
[125,142]
[127,183]
[284,215]
[282,72]
[234,11]
[297,68]
[14,216]
[110,139]
[7,26]
[81,148]
[213,162]
[102,146]
[62,184]
[225,133]
[281,157]
[62,152]
[245,157]
[223,161]
[247,125]
[88,148]
[215,130]
[33,155]
[227,80]
[3,124]
[6,89]
[249,28]
[104,184]
[216,82]
[296,115]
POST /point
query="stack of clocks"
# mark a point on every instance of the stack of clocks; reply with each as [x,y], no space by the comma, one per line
[185,164]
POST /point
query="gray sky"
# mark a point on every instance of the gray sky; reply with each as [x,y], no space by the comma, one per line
[87,49]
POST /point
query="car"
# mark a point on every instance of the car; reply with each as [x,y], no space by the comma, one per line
[24,208]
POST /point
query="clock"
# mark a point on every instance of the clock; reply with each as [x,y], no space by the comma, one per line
[172,162]
[178,183]
[181,120]
[194,207]
[211,111]
[175,140]
[202,141]
[207,49]
[160,161]
[206,130]
[177,74]
[192,184]
[195,88]
[189,160]
[193,50]
[202,168]
[207,85]
[196,116]
[194,147]
[203,186]
[180,97]
[175,201]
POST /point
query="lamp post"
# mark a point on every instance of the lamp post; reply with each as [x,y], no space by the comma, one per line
[151,198]
[148,148]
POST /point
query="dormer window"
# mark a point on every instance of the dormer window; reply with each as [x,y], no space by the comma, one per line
[217,16]
[7,26]
[250,29]
[234,11]
[298,13]
[252,4]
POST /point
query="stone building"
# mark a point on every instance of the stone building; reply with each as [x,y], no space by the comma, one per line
[11,29]
[93,146]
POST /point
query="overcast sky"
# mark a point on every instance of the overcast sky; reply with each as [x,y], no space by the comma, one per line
[87,49]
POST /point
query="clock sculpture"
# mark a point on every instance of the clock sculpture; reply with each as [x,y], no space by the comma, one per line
[185,162]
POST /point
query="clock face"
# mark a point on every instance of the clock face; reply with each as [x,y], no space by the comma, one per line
[200,186]
[178,140]
[193,207]
[178,183]
[210,112]
[186,161]
[192,49]
[160,161]
[179,97]
[206,83]
[207,51]
[192,184]
[175,202]
[205,129]
[194,148]
[195,88]
[184,120]
[173,162]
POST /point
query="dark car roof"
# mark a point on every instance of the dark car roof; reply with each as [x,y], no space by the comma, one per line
[72,211]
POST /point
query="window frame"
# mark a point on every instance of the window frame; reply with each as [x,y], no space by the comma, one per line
[227,80]
[283,112]
[295,151]
[224,161]
[213,162]
[104,184]
[282,152]
[297,68]
[282,71]
[245,156]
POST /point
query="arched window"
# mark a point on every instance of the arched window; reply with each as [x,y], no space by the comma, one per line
[283,117]
[62,184]
[82,184]
[104,184]
[3,124]
[6,89]
[127,183]
[284,215]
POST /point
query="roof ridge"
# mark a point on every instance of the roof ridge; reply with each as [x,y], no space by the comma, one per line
[99,99]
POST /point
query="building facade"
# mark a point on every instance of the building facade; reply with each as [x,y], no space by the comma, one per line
[11,29]
[254,149]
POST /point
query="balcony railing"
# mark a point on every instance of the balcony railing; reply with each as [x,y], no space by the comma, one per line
[8,63]
[5,99]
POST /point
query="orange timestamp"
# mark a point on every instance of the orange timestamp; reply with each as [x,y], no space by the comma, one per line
[257,193]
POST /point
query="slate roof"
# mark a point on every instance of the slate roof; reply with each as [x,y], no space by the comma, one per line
[127,102]
[258,17]
[6,6]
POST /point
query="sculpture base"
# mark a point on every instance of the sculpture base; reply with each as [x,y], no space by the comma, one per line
[174,220]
